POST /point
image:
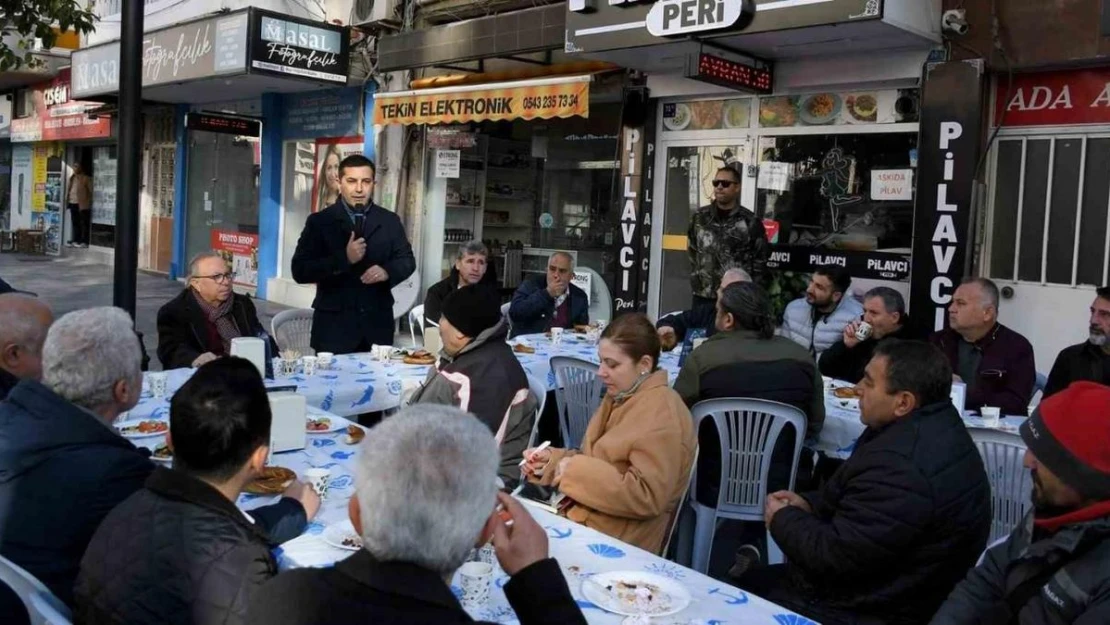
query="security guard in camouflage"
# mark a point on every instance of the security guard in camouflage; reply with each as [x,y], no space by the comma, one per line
[724,234]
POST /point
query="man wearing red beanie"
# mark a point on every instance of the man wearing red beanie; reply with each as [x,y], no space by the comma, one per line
[1055,567]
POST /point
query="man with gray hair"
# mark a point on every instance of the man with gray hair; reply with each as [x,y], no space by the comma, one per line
[995,362]
[418,526]
[62,466]
[23,324]
[471,268]
[548,301]
[199,324]
[884,316]
[673,328]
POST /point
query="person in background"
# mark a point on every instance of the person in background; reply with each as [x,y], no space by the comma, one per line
[471,268]
[1055,566]
[995,362]
[638,449]
[62,465]
[673,328]
[901,521]
[478,373]
[885,311]
[79,201]
[418,526]
[723,234]
[355,252]
[197,326]
[817,320]
[542,302]
[179,550]
[1089,360]
[24,321]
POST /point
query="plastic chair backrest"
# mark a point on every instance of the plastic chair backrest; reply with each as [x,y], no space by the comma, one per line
[42,606]
[748,429]
[292,329]
[405,294]
[676,514]
[578,393]
[1003,454]
[539,389]
[601,300]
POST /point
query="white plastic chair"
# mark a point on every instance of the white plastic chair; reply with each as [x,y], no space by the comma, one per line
[601,300]
[1003,454]
[416,320]
[748,430]
[42,606]
[292,329]
[578,393]
[539,389]
[405,294]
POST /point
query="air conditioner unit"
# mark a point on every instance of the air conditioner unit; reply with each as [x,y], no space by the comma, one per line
[376,12]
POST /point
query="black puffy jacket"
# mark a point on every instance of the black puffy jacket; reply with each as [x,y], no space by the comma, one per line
[897,526]
[177,552]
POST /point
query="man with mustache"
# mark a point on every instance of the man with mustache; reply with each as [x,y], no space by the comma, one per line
[1055,567]
[1089,360]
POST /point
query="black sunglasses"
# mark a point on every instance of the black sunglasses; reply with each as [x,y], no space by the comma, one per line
[723,183]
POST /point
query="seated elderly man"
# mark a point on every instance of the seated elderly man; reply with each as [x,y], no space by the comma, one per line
[197,326]
[901,521]
[179,550]
[548,301]
[62,466]
[23,324]
[995,362]
[884,312]
[478,373]
[674,328]
[1089,360]
[471,268]
[418,526]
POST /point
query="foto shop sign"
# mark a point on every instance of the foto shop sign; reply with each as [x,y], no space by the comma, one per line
[949,151]
[287,46]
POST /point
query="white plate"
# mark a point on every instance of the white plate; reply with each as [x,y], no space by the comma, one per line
[848,403]
[674,596]
[334,535]
[158,459]
[120,427]
[336,425]
[681,119]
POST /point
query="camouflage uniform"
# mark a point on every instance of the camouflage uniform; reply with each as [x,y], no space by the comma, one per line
[715,244]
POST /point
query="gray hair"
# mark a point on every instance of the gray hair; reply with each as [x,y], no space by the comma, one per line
[87,352]
[988,288]
[195,260]
[18,326]
[892,300]
[741,274]
[426,486]
[565,255]
[472,247]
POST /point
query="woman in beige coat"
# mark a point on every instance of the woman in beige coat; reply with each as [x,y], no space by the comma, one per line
[638,450]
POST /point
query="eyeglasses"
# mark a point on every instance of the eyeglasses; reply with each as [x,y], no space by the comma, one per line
[721,184]
[220,277]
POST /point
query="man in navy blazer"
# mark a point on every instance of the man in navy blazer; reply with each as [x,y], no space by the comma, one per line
[355,252]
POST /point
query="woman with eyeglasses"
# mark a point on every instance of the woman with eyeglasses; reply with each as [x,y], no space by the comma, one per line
[198,325]
[632,471]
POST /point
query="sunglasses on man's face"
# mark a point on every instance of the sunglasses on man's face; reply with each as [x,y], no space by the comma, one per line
[721,184]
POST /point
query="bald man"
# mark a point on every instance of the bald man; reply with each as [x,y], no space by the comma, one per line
[24,321]
[545,301]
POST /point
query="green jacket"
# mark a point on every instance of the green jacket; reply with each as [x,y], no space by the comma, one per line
[741,364]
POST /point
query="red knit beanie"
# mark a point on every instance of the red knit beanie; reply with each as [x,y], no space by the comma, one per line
[1070,434]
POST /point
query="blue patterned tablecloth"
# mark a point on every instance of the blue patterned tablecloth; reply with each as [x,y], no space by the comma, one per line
[575,346]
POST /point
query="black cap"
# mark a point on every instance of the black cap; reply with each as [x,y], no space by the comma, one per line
[472,309]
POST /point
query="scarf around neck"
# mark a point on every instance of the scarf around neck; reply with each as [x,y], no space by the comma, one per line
[220,316]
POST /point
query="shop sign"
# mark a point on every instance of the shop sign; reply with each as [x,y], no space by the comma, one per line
[240,250]
[668,18]
[327,113]
[448,163]
[5,116]
[1054,98]
[189,51]
[860,264]
[891,184]
[285,45]
[451,138]
[54,117]
[949,153]
[635,221]
[436,106]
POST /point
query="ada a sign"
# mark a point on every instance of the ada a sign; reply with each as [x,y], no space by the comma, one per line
[668,18]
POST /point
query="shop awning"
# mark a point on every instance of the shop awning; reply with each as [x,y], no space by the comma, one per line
[541,98]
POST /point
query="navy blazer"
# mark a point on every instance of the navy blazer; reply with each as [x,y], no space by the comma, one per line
[350,314]
[533,308]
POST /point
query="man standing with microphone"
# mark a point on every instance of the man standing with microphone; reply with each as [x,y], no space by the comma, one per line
[355,252]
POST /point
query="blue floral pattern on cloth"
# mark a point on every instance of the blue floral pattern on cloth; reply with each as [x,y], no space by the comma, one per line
[342,455]
[666,569]
[322,442]
[793,619]
[740,598]
[555,532]
[606,551]
[328,399]
[341,482]
[497,614]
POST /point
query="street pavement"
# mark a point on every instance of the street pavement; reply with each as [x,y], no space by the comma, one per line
[70,283]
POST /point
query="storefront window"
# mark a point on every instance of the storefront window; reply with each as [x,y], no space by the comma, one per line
[103,230]
[300,158]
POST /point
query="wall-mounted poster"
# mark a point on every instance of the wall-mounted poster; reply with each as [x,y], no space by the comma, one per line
[46,194]
[20,212]
[240,250]
[329,152]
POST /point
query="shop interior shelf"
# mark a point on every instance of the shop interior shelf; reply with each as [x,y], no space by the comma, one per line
[464,206]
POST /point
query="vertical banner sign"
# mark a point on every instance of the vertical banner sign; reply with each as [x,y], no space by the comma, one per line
[625,296]
[646,206]
[951,110]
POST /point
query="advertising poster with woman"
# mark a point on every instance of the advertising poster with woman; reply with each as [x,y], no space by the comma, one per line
[329,152]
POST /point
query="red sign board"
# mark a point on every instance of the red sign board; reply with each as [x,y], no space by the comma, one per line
[54,117]
[1054,98]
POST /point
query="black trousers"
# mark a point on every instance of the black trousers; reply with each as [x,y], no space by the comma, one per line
[82,221]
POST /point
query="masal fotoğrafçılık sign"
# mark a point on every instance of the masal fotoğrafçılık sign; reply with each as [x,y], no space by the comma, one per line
[286,45]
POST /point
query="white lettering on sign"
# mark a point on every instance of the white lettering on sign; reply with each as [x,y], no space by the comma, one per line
[891,185]
[626,254]
[55,95]
[668,18]
[819,259]
[779,257]
[945,238]
[291,56]
[899,266]
[1040,98]
[186,53]
[236,239]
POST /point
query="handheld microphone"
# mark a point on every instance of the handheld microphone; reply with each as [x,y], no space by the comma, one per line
[360,220]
